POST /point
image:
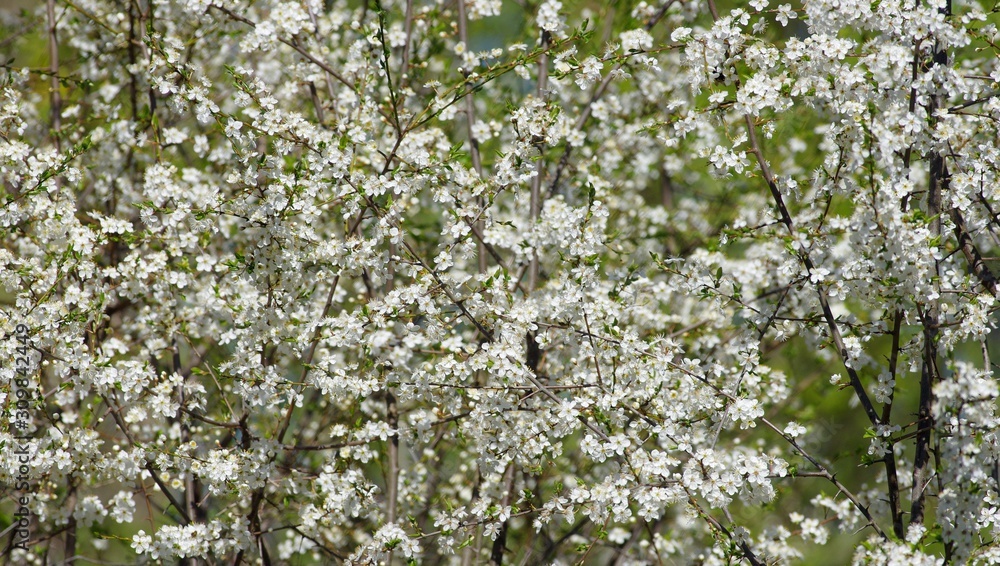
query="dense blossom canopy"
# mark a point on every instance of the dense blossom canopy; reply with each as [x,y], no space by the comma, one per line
[474,281]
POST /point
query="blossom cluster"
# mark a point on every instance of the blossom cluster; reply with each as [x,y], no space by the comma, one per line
[389,282]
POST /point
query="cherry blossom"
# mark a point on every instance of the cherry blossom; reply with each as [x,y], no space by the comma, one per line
[393,282]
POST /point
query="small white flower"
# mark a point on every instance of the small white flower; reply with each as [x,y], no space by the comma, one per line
[680,34]
[785,13]
[548,16]
[794,430]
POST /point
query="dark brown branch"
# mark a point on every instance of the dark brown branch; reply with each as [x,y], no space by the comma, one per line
[892,476]
[831,320]
[972,254]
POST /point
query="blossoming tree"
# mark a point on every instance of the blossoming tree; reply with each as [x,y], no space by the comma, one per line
[470,282]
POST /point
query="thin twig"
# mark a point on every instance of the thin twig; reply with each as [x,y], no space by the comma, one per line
[536,182]
[55,97]
[477,163]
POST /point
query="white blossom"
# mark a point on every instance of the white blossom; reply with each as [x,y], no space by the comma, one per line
[301,281]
